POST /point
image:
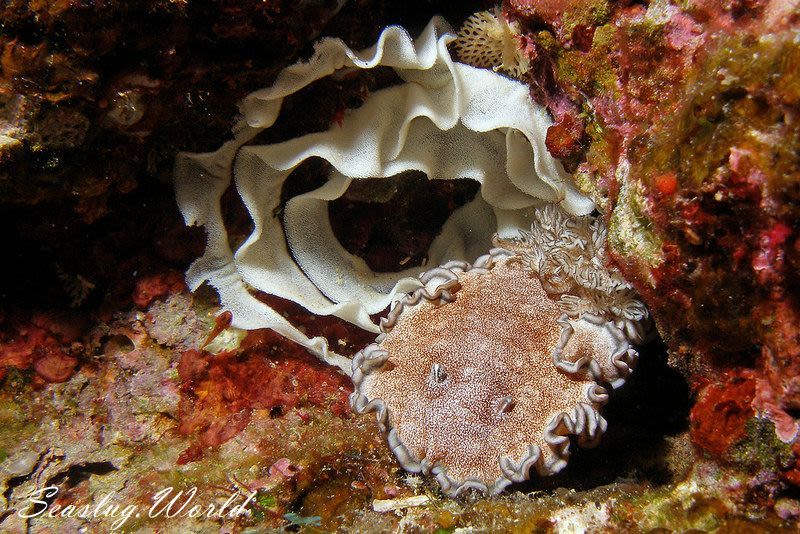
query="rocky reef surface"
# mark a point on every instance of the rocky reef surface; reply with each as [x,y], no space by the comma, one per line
[679,119]
[685,123]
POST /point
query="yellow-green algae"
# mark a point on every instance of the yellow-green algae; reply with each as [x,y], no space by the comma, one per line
[340,466]
[589,72]
[706,501]
[19,414]
[585,13]
[760,449]
[727,106]
[114,424]
[721,101]
[630,230]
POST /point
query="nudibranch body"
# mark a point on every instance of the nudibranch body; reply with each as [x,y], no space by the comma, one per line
[480,376]
[481,371]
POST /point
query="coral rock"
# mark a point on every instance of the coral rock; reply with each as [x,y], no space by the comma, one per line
[692,140]
[42,344]
[219,392]
[157,286]
[718,417]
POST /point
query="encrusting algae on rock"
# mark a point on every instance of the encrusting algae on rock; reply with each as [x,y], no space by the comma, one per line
[678,119]
[688,144]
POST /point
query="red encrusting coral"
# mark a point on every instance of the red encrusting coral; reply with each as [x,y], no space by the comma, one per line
[666,184]
[42,342]
[150,288]
[219,392]
[718,417]
[564,137]
[793,474]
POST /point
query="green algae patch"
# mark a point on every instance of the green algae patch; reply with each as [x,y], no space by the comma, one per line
[680,507]
[731,102]
[588,184]
[586,71]
[589,13]
[18,419]
[761,449]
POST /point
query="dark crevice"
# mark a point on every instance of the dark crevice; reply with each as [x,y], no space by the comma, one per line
[78,473]
[652,406]
[395,233]
[13,483]
[17,481]
[73,476]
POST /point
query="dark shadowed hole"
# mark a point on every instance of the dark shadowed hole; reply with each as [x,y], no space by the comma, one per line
[78,473]
[118,343]
[73,476]
[391,222]
[652,406]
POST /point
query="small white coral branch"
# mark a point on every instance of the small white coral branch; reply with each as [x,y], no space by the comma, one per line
[488,40]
